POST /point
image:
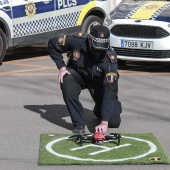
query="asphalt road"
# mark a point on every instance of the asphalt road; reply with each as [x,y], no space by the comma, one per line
[30,98]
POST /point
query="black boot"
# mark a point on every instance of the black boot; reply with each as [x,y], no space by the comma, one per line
[79,129]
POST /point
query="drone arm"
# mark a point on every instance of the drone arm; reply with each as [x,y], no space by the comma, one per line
[114,136]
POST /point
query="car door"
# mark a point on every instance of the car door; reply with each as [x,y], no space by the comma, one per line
[31,22]
[67,13]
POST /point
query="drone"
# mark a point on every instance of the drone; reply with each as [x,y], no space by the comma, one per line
[96,138]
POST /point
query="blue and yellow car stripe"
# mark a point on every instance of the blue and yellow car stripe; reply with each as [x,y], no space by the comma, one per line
[144,10]
[19,11]
[149,9]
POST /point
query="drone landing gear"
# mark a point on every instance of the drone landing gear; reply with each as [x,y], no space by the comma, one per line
[114,136]
[96,138]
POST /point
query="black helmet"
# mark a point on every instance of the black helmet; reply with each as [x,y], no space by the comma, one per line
[100,36]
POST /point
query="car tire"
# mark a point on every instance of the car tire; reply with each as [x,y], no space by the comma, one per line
[3,45]
[89,22]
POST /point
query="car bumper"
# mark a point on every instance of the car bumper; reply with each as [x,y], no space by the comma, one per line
[129,58]
[160,51]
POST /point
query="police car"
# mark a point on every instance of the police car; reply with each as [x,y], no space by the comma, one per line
[28,22]
[140,30]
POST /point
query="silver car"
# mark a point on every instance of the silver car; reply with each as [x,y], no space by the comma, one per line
[140,30]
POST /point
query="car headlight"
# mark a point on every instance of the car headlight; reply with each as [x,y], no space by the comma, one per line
[107,20]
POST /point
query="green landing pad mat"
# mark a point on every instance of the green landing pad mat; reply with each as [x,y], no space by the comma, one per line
[144,149]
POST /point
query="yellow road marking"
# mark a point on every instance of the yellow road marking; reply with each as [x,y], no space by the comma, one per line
[36,74]
[26,72]
[121,72]
[27,65]
[28,59]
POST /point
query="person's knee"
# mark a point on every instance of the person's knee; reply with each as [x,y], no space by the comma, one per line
[114,121]
[70,87]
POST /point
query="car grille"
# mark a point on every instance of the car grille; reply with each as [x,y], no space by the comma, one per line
[139,31]
[142,53]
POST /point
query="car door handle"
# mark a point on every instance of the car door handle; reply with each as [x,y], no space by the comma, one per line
[47,1]
[6,8]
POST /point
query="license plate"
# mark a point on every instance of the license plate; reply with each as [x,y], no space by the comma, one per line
[137,44]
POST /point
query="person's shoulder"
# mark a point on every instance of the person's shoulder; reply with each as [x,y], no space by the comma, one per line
[81,35]
[112,55]
[74,39]
[78,36]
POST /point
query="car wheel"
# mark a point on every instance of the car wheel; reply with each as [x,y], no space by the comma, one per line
[2,45]
[89,22]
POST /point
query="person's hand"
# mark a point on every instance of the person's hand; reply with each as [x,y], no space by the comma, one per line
[62,72]
[102,128]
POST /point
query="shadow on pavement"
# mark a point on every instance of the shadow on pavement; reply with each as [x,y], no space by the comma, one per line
[56,114]
[26,52]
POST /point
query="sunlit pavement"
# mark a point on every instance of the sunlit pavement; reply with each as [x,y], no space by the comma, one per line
[32,104]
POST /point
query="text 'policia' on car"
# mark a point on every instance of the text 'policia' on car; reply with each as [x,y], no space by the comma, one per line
[30,22]
[140,30]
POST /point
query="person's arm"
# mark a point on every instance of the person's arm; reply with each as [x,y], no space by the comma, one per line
[55,50]
[110,92]
[110,85]
[56,47]
[109,100]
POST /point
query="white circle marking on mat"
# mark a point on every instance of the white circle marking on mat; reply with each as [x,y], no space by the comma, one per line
[153,148]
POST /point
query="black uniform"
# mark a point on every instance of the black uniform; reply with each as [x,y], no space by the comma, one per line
[98,74]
